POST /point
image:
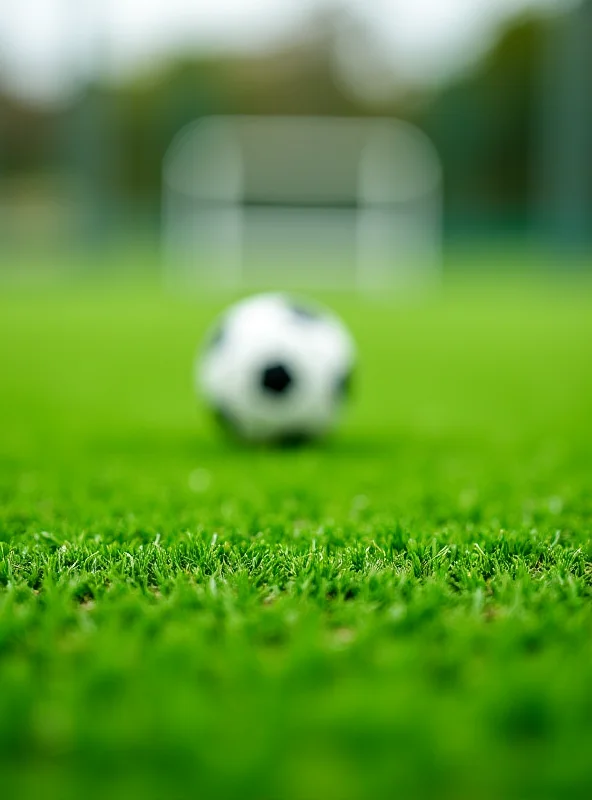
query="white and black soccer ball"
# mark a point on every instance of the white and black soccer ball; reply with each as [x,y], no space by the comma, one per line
[276,370]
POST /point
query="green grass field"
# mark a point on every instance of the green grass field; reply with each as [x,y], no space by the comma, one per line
[404,611]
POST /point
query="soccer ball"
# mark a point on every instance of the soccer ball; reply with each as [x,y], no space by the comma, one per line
[276,370]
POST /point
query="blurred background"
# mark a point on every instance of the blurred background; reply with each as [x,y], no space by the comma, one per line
[93,94]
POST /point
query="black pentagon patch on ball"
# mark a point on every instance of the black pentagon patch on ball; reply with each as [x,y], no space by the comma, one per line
[276,379]
[343,385]
[215,338]
[291,440]
[303,312]
[224,419]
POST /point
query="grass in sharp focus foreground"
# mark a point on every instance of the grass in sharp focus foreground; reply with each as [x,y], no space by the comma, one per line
[404,611]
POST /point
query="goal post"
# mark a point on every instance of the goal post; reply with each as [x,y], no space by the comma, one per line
[302,202]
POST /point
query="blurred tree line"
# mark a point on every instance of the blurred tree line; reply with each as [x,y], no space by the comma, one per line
[112,138]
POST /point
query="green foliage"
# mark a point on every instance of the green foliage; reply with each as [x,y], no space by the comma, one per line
[404,610]
[486,124]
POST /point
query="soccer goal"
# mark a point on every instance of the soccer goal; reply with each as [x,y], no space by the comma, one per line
[300,202]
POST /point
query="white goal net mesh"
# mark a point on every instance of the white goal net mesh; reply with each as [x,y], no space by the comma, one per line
[301,202]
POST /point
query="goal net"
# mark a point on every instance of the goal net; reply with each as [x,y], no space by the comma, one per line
[301,202]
